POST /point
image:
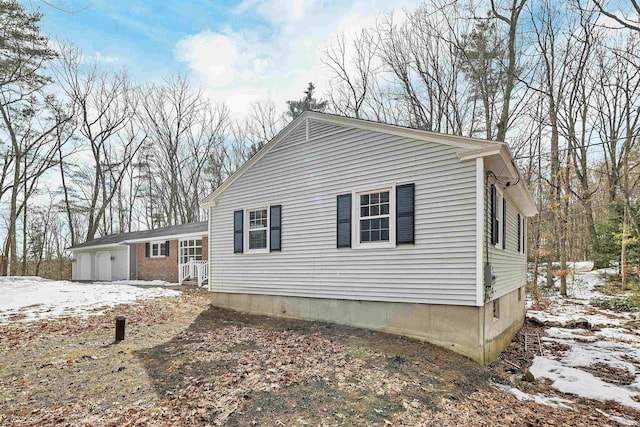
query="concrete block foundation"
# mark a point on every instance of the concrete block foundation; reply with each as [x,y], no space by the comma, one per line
[471,331]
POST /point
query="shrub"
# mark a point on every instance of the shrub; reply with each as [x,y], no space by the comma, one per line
[625,303]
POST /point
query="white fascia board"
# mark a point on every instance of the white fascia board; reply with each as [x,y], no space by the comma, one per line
[90,248]
[519,192]
[422,135]
[167,237]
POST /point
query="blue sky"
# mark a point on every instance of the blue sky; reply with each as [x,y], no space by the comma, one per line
[240,52]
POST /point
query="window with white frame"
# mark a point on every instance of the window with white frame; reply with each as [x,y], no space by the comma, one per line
[158,249]
[257,230]
[190,249]
[374,216]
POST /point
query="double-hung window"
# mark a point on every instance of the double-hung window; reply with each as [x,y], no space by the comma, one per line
[257,229]
[158,249]
[375,218]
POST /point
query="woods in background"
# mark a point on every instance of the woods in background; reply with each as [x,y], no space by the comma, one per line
[87,151]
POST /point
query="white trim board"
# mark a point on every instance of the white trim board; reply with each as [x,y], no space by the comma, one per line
[480,233]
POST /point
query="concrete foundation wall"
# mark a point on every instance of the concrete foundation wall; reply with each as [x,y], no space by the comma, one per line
[500,331]
[459,328]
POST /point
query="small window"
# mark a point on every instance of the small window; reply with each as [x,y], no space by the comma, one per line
[519,294]
[158,249]
[375,221]
[374,217]
[496,308]
[257,230]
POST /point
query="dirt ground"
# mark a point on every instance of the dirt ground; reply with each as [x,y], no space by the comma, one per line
[184,362]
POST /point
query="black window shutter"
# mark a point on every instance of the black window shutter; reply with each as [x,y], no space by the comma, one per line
[343,214]
[237,231]
[504,223]
[519,235]
[524,235]
[166,248]
[405,214]
[147,249]
[274,231]
[493,208]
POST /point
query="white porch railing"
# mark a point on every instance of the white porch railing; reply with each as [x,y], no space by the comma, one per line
[193,269]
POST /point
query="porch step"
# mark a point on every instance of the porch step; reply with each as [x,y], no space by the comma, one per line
[194,282]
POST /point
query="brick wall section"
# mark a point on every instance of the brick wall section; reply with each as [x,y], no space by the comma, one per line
[205,248]
[163,268]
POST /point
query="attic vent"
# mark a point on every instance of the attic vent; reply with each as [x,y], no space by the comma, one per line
[306,126]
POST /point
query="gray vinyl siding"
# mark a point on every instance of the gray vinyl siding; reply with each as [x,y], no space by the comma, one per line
[305,177]
[510,265]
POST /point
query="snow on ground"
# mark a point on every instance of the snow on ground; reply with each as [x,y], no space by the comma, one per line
[581,383]
[553,401]
[581,288]
[601,363]
[34,298]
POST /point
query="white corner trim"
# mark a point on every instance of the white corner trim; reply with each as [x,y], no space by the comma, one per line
[480,223]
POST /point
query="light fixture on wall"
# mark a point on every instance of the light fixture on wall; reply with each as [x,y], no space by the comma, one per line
[112,258]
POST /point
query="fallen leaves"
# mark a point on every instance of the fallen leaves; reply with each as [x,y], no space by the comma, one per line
[184,363]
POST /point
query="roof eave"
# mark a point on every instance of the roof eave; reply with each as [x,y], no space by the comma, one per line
[452,140]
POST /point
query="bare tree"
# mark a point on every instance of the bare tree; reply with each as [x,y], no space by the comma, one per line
[353,72]
[253,132]
[106,103]
[423,58]
[185,152]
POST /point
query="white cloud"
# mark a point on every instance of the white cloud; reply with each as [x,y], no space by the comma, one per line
[241,67]
[105,58]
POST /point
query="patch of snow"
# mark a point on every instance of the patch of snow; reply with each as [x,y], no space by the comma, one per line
[623,420]
[565,313]
[581,266]
[619,334]
[620,420]
[553,401]
[137,283]
[580,383]
[609,353]
[35,298]
[569,334]
[581,287]
[609,344]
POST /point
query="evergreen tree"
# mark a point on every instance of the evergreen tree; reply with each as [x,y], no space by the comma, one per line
[309,102]
[23,50]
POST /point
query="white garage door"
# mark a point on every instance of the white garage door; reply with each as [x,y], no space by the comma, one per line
[84,267]
[103,266]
